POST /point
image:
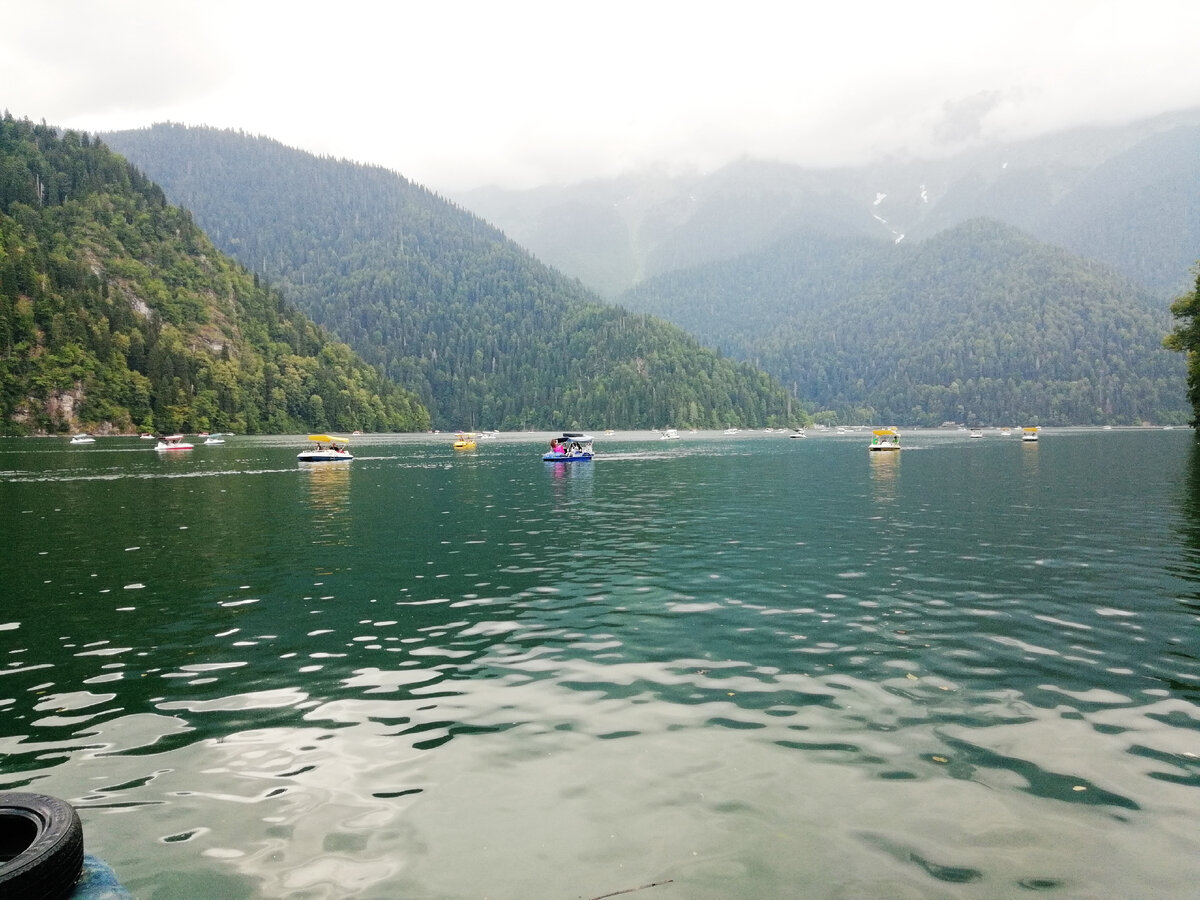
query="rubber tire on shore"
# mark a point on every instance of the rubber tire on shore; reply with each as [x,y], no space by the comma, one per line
[41,847]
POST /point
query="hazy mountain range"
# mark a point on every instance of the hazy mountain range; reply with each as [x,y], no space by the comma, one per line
[1017,284]
[881,291]
[1128,196]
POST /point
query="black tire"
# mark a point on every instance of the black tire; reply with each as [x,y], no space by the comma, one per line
[41,847]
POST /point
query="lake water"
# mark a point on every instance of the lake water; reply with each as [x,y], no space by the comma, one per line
[738,666]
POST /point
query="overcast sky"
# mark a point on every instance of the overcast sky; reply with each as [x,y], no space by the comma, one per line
[457,93]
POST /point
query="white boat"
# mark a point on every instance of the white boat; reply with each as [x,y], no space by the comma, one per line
[173,442]
[1029,434]
[1005,432]
[573,446]
[731,431]
[976,432]
[83,439]
[214,439]
[798,433]
[327,448]
[885,439]
[669,435]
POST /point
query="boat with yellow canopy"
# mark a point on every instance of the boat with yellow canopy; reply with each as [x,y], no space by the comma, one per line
[885,439]
[327,449]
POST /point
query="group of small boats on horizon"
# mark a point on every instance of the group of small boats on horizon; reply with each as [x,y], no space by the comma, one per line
[167,443]
[888,439]
[570,446]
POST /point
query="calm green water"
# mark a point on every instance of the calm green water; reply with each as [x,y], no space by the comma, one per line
[749,666]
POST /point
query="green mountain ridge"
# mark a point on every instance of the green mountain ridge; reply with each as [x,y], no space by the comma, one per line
[980,323]
[118,315]
[441,302]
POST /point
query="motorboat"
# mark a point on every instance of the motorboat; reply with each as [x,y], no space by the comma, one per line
[146,436]
[214,439]
[976,433]
[1029,434]
[173,442]
[465,440]
[731,431]
[326,448]
[885,439]
[83,439]
[572,446]
[670,434]
[798,433]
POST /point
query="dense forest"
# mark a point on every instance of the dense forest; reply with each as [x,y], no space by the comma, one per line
[118,315]
[979,324]
[440,301]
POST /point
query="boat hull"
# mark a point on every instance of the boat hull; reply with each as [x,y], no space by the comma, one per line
[563,457]
[323,456]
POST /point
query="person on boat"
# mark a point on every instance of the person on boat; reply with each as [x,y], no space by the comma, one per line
[557,448]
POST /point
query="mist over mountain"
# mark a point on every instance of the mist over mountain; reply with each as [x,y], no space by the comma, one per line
[1128,196]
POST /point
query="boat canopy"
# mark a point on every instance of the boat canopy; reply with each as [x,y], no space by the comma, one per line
[885,432]
[327,439]
[576,436]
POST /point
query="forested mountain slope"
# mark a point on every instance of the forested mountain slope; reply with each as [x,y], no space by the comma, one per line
[979,324]
[117,314]
[439,300]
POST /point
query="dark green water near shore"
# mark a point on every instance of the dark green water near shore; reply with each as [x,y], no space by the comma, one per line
[747,666]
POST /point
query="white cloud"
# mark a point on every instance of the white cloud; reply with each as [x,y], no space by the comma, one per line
[460,93]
